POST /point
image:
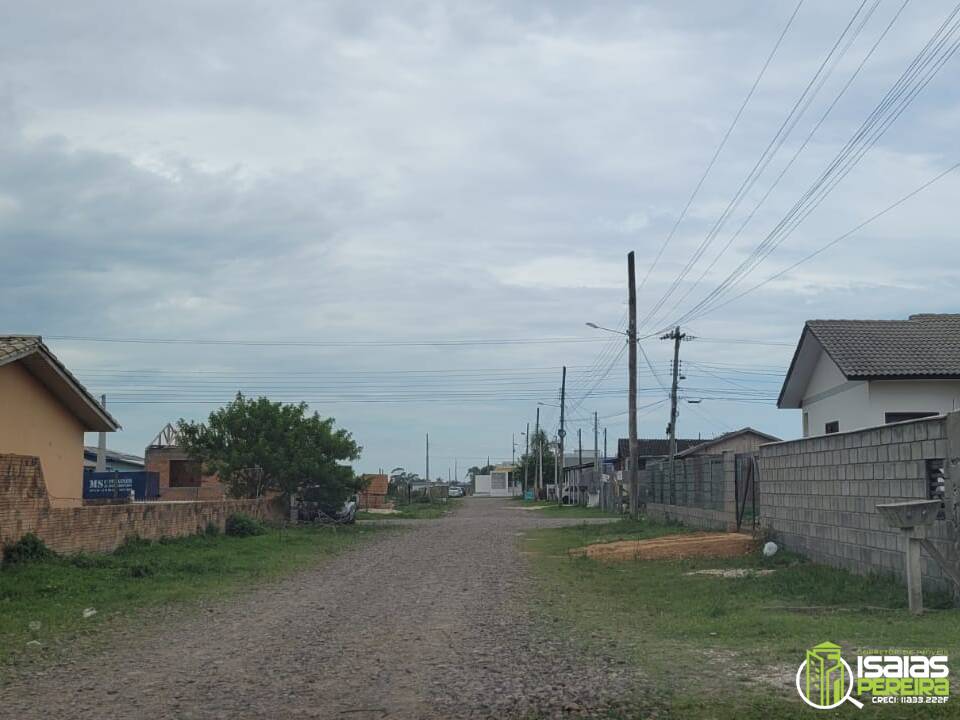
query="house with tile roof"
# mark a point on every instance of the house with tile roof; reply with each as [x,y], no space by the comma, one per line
[44,413]
[854,374]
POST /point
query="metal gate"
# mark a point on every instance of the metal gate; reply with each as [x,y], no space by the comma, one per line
[745,490]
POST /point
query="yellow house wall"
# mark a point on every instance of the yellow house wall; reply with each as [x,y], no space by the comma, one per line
[34,422]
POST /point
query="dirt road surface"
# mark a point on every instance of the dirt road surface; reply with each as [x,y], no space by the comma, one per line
[431,622]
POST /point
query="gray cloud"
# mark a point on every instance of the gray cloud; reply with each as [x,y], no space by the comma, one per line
[435,169]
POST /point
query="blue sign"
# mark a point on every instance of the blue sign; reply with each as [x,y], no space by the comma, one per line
[119,483]
[528,495]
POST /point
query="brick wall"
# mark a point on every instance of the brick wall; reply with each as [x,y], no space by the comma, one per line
[703,492]
[25,507]
[819,495]
[157,459]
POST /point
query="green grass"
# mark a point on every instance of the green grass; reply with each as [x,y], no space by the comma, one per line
[708,645]
[415,511]
[551,509]
[142,576]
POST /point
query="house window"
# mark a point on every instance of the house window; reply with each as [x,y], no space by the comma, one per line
[185,473]
[895,417]
[832,427]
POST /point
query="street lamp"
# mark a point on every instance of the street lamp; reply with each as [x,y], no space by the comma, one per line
[606,329]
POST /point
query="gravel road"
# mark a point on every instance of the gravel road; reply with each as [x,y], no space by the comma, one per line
[431,622]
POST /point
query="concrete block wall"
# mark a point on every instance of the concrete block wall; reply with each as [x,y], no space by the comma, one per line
[818,496]
[25,507]
[720,516]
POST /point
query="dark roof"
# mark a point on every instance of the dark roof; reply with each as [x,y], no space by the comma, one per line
[726,436]
[44,365]
[654,447]
[925,346]
[90,453]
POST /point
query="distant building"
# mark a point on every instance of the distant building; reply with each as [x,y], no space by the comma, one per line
[115,460]
[181,477]
[650,450]
[374,495]
[44,412]
[853,374]
[499,483]
[743,440]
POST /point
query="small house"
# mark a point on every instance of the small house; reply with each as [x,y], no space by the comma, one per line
[44,412]
[853,374]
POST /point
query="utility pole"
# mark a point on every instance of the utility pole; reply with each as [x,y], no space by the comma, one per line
[428,458]
[526,461]
[536,438]
[596,456]
[456,469]
[579,463]
[632,401]
[562,433]
[102,442]
[677,337]
[513,448]
[605,456]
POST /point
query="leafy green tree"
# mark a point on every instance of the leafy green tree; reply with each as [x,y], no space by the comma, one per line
[259,445]
[527,467]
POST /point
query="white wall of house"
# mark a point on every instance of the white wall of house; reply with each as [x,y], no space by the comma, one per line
[481,485]
[860,404]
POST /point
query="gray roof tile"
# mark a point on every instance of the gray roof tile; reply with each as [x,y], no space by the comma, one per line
[922,346]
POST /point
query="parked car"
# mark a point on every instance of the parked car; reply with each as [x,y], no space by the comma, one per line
[318,512]
[455,492]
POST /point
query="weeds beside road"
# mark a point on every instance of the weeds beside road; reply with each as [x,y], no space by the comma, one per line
[53,594]
[718,647]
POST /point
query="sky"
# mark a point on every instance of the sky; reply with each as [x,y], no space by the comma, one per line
[405,212]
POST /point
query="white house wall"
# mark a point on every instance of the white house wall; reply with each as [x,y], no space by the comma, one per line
[858,404]
[830,396]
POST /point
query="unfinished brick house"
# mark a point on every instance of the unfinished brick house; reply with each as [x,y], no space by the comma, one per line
[181,477]
[375,494]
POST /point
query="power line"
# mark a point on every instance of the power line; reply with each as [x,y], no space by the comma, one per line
[723,142]
[812,89]
[328,343]
[938,50]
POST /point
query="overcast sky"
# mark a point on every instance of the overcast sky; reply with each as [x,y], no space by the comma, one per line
[383,173]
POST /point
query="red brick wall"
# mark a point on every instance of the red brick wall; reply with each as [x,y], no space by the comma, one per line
[25,507]
[157,459]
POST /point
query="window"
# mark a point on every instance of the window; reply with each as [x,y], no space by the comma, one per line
[185,473]
[832,427]
[895,417]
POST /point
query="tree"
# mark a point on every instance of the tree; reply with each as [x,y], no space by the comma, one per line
[527,467]
[485,470]
[259,445]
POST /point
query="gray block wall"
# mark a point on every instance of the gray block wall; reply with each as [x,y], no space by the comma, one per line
[713,510]
[818,496]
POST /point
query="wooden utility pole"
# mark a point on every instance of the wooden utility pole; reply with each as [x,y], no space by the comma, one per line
[579,464]
[526,461]
[632,401]
[676,336]
[536,438]
[428,459]
[562,434]
[513,448]
[596,457]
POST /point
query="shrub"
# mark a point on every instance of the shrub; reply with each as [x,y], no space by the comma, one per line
[29,548]
[141,570]
[131,544]
[241,525]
